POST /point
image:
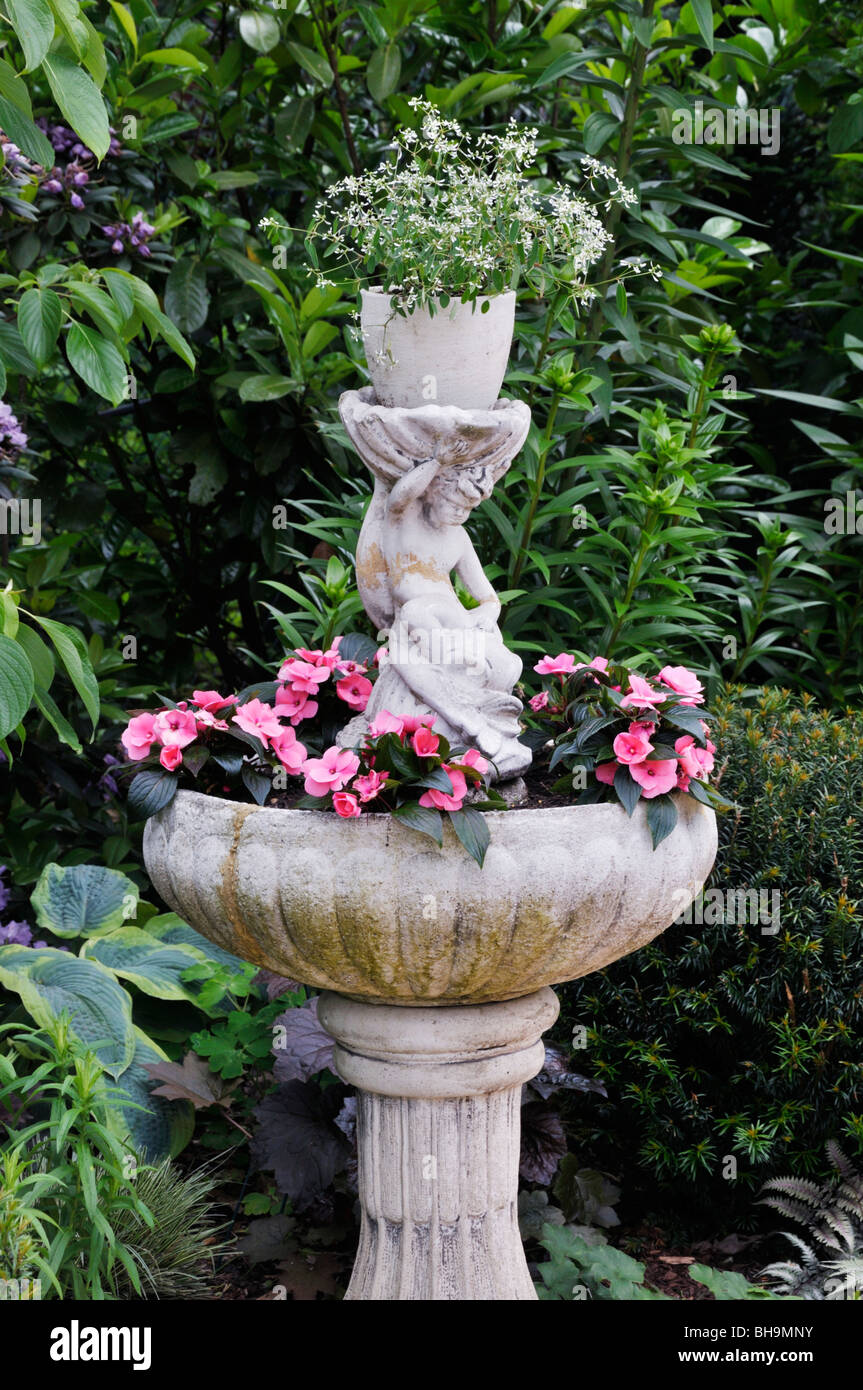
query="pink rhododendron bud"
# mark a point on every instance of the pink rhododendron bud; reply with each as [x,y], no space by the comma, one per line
[175,727]
[473,758]
[346,804]
[424,743]
[355,691]
[632,748]
[605,772]
[442,801]
[386,723]
[685,682]
[331,772]
[171,757]
[138,736]
[290,752]
[538,702]
[293,705]
[259,719]
[303,676]
[211,700]
[555,665]
[655,777]
[370,785]
[640,695]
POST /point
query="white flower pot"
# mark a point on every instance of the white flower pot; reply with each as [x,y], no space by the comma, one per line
[458,357]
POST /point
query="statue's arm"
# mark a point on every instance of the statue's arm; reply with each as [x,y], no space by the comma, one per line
[411,486]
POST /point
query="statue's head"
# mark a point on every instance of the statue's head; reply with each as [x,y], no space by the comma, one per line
[456,491]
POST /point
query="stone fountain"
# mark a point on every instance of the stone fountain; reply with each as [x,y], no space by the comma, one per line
[436,973]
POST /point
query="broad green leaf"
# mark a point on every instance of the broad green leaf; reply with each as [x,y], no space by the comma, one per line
[80,101]
[661,818]
[174,931]
[315,65]
[174,58]
[126,22]
[319,336]
[422,818]
[259,30]
[472,829]
[384,71]
[15,89]
[703,11]
[50,982]
[266,388]
[16,685]
[83,899]
[40,656]
[153,966]
[25,133]
[294,121]
[158,1128]
[72,651]
[186,298]
[33,23]
[40,315]
[47,707]
[97,362]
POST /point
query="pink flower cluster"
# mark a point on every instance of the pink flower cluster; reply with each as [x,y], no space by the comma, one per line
[306,671]
[337,771]
[172,730]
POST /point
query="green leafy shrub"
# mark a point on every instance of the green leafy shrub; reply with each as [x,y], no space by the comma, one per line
[739,1036]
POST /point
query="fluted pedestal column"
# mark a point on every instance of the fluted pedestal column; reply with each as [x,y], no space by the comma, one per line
[438,1128]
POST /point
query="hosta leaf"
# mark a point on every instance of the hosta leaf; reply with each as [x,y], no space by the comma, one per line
[83,899]
[153,966]
[50,982]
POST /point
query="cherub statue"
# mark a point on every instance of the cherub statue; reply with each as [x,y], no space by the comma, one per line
[431,467]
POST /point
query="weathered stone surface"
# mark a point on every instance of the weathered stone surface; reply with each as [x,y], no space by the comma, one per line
[438,1121]
[371,909]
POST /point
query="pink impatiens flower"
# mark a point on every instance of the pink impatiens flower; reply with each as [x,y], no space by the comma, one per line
[641,694]
[351,668]
[138,736]
[684,682]
[599,663]
[386,723]
[369,786]
[345,804]
[329,658]
[175,727]
[442,801]
[302,676]
[538,702]
[424,743]
[355,691]
[695,760]
[331,772]
[655,777]
[171,757]
[259,719]
[605,772]
[473,758]
[290,752]
[294,705]
[561,665]
[211,700]
[412,722]
[632,747]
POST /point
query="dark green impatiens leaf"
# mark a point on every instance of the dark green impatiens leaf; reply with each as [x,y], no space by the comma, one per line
[472,829]
[421,818]
[661,818]
[628,790]
[151,792]
[258,786]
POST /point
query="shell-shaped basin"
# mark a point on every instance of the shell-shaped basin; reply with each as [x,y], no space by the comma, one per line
[372,909]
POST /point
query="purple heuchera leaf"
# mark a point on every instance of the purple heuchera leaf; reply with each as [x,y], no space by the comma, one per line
[301,1047]
[297,1140]
[543,1142]
[556,1076]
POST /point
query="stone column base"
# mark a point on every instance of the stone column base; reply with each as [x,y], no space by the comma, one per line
[438,1129]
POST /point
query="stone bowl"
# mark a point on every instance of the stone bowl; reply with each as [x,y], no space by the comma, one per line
[373,910]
